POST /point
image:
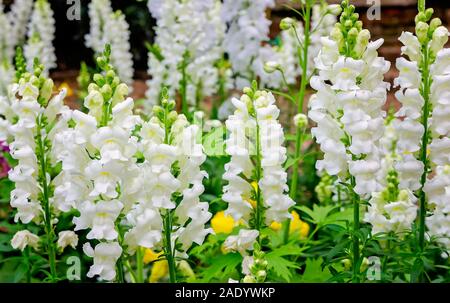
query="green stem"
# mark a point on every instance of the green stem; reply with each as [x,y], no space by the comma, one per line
[139,266]
[45,201]
[356,257]
[119,263]
[168,247]
[259,206]
[300,102]
[425,92]
[27,260]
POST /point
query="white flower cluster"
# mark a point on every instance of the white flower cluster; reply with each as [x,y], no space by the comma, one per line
[31,124]
[108,27]
[6,52]
[255,133]
[394,208]
[348,105]
[18,18]
[171,168]
[248,28]
[41,33]
[188,33]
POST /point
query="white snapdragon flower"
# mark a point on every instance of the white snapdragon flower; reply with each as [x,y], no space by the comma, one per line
[41,33]
[242,242]
[105,256]
[248,27]
[348,108]
[189,37]
[67,238]
[18,17]
[6,55]
[255,146]
[24,238]
[108,27]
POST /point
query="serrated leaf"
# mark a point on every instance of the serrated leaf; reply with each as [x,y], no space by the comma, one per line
[222,265]
[280,266]
[314,273]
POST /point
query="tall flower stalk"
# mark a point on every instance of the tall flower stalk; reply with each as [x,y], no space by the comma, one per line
[348,111]
[422,95]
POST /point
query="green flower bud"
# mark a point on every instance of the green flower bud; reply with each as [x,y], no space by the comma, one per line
[429,13]
[334,9]
[158,111]
[435,23]
[110,75]
[301,121]
[106,91]
[47,89]
[361,42]
[287,23]
[420,17]
[249,279]
[422,32]
[271,66]
[99,79]
[248,91]
[348,24]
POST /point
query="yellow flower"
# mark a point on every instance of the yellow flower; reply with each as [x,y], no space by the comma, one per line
[160,268]
[222,223]
[296,226]
[67,87]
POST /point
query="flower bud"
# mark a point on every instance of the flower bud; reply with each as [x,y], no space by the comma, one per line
[334,9]
[261,275]
[23,239]
[158,110]
[287,23]
[67,238]
[249,279]
[435,23]
[271,66]
[47,89]
[422,32]
[440,38]
[301,121]
[106,91]
[429,13]
[361,42]
[99,79]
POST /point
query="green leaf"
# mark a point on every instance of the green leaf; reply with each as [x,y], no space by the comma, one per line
[314,273]
[221,266]
[318,214]
[281,266]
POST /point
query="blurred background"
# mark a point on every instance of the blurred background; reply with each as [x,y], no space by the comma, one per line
[396,16]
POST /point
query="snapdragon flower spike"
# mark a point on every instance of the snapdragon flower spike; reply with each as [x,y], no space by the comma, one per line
[248,27]
[18,18]
[108,27]
[424,130]
[189,36]
[394,208]
[7,53]
[99,171]
[348,104]
[41,33]
[34,118]
[255,172]
[169,215]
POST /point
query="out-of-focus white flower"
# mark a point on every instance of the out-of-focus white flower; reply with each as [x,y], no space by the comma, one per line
[41,33]
[67,238]
[24,238]
[242,242]
[18,17]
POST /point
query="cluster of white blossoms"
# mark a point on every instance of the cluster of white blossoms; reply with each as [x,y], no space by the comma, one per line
[13,25]
[393,209]
[108,27]
[248,28]
[169,205]
[189,36]
[255,134]
[99,170]
[41,33]
[30,126]
[18,18]
[348,104]
[6,52]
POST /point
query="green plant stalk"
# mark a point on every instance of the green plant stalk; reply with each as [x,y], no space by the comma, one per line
[425,92]
[120,261]
[300,102]
[167,219]
[168,251]
[27,260]
[259,206]
[45,201]
[355,263]
[139,266]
